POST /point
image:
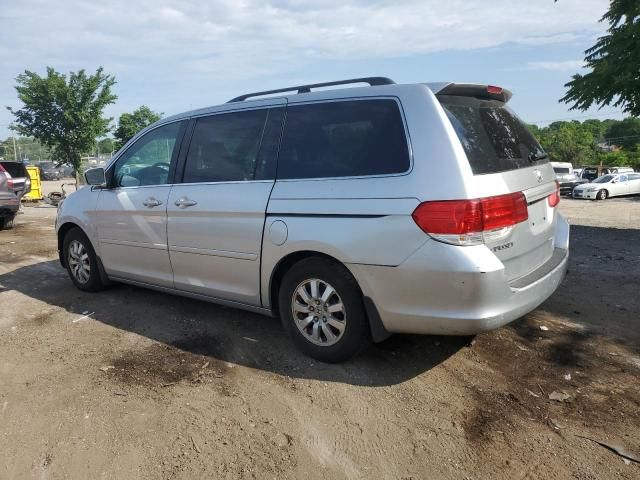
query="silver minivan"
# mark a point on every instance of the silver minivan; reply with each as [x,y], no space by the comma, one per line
[350,213]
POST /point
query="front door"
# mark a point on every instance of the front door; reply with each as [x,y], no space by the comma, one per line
[131,215]
[216,215]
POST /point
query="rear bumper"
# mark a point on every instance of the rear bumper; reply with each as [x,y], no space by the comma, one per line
[449,290]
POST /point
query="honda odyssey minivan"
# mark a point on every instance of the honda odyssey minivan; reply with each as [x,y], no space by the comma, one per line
[350,213]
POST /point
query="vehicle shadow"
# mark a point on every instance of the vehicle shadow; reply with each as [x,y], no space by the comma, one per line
[226,334]
[600,292]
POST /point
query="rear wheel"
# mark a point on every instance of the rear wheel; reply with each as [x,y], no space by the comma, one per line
[81,261]
[7,223]
[602,195]
[321,307]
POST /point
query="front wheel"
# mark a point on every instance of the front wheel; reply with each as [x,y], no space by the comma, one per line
[602,195]
[81,261]
[321,307]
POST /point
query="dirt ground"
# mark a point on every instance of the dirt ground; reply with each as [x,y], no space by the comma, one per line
[131,383]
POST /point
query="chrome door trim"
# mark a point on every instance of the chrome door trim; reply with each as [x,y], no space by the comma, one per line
[213,252]
[127,243]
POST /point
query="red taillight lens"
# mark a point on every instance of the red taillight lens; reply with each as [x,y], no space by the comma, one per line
[458,217]
[494,89]
[554,198]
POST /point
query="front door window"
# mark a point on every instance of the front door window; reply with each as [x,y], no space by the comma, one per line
[147,161]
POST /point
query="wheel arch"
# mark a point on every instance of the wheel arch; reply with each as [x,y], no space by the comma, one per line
[62,232]
[378,331]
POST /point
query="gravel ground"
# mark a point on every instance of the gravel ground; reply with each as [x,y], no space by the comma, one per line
[131,383]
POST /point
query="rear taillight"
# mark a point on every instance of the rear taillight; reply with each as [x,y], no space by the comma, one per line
[554,198]
[493,89]
[471,222]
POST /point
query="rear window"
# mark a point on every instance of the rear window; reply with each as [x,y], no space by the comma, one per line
[561,171]
[15,169]
[493,137]
[343,139]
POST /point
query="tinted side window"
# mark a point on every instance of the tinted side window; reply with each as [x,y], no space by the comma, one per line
[148,160]
[343,139]
[225,147]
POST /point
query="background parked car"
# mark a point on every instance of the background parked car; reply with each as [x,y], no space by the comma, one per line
[566,177]
[20,180]
[67,171]
[48,171]
[609,186]
[9,198]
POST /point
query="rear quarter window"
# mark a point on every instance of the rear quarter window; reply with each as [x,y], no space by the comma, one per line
[343,139]
[493,137]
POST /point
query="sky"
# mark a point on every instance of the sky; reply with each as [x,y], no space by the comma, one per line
[180,55]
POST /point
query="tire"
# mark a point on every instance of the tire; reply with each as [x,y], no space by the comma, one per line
[90,280]
[312,330]
[602,195]
[7,223]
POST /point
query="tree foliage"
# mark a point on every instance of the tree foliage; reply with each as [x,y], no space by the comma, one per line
[106,145]
[131,123]
[64,113]
[588,143]
[26,148]
[625,133]
[614,61]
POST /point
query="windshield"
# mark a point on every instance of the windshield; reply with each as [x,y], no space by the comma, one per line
[493,137]
[603,179]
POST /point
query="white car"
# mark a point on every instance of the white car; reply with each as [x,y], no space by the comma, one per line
[609,186]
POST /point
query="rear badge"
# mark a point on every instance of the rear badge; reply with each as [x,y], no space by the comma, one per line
[504,246]
[538,175]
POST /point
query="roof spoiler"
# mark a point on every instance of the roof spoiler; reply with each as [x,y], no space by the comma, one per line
[372,81]
[489,92]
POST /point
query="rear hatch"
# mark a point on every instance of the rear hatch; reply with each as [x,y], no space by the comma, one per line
[505,158]
[19,176]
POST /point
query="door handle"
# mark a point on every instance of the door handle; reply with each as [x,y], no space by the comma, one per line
[184,202]
[151,202]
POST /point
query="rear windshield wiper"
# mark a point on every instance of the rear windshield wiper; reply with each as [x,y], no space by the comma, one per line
[532,157]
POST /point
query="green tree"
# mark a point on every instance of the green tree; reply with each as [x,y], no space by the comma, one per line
[614,61]
[26,148]
[131,123]
[64,113]
[625,133]
[568,142]
[106,145]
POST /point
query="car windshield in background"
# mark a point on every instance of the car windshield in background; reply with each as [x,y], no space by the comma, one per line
[494,139]
[603,179]
[561,171]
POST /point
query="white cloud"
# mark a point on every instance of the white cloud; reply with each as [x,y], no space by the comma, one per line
[562,66]
[245,37]
[150,45]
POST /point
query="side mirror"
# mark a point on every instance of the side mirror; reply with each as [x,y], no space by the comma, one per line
[95,177]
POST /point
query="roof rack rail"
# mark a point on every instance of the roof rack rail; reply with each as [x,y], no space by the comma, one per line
[373,81]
